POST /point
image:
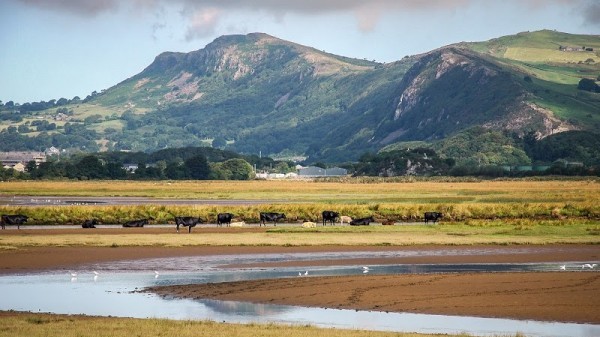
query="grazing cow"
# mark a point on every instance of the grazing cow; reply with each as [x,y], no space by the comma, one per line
[14,219]
[224,218]
[264,217]
[187,221]
[433,216]
[136,223]
[330,216]
[89,223]
[345,218]
[362,221]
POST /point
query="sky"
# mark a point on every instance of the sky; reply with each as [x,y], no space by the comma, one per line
[51,49]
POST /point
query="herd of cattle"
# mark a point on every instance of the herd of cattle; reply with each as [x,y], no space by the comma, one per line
[225,219]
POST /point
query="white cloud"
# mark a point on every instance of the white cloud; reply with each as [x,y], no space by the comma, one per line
[202,23]
[204,15]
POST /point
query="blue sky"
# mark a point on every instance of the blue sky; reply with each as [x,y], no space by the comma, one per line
[64,48]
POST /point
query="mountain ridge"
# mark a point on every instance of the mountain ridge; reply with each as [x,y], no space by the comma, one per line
[257,93]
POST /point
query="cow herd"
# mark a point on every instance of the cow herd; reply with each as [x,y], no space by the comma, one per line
[329,217]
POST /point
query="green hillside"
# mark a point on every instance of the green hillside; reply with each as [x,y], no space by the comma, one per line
[258,94]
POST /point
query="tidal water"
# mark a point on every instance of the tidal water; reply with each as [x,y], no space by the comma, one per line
[113,290]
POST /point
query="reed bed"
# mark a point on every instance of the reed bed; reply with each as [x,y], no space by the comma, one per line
[299,212]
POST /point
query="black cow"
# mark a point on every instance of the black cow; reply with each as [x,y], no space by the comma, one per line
[330,216]
[89,223]
[14,219]
[264,217]
[137,223]
[433,216]
[362,221]
[187,221]
[224,218]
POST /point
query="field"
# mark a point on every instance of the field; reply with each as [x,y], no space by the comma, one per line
[562,215]
[485,212]
[31,325]
[549,56]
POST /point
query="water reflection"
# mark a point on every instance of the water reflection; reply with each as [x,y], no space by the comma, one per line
[113,289]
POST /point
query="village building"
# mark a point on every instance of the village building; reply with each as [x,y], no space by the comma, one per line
[17,160]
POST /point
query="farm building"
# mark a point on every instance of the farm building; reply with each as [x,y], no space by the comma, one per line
[313,171]
[18,160]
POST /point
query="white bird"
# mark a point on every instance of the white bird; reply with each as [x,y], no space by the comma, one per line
[366,268]
[95,273]
[73,274]
[299,274]
[365,271]
[589,265]
[563,267]
[306,273]
[156,274]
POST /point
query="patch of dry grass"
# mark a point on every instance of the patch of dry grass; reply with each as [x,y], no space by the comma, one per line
[16,324]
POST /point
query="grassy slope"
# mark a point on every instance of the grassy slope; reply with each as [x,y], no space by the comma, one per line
[555,73]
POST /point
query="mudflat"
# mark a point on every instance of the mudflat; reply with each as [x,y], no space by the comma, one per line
[548,296]
[566,296]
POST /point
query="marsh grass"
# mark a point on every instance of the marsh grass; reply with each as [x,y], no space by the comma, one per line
[32,325]
[298,212]
[478,212]
[452,233]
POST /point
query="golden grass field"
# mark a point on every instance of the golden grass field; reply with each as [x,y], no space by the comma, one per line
[33,325]
[351,190]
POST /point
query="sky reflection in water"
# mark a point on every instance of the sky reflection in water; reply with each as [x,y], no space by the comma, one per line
[112,292]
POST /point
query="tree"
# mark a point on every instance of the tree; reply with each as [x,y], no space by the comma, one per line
[177,171]
[31,166]
[23,128]
[219,143]
[90,167]
[587,84]
[197,167]
[237,169]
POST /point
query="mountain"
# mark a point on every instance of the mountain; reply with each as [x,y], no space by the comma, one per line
[259,94]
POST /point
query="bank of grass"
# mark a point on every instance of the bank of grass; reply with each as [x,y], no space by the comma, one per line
[299,212]
[15,324]
[473,232]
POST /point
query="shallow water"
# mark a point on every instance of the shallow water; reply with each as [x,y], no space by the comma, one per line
[114,292]
[17,200]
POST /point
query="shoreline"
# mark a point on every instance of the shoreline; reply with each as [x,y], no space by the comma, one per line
[540,296]
[546,296]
